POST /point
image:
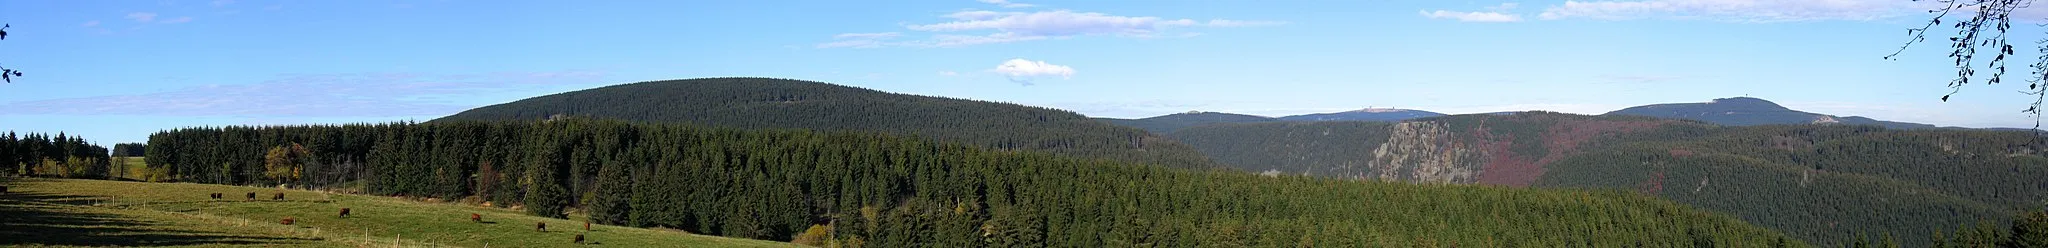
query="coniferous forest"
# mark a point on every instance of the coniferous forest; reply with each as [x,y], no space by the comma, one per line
[747,102]
[876,190]
[52,156]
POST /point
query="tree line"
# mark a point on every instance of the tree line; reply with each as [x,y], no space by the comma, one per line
[52,156]
[876,190]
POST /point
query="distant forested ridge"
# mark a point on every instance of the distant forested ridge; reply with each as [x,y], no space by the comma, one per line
[784,103]
[52,156]
[877,190]
[1166,124]
[1810,181]
[1174,122]
[1749,111]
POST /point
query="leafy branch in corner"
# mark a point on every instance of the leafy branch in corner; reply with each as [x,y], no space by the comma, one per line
[7,74]
[1984,27]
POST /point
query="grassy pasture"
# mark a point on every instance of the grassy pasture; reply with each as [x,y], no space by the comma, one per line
[67,212]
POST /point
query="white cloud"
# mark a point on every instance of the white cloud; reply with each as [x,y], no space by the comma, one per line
[1472,16]
[1052,23]
[181,19]
[1006,3]
[948,73]
[142,16]
[218,3]
[1497,13]
[1004,27]
[949,40]
[1735,10]
[93,23]
[1503,7]
[1025,71]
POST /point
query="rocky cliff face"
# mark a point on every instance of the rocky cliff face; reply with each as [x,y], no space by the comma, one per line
[1425,151]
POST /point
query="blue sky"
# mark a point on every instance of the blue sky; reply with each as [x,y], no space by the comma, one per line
[116,71]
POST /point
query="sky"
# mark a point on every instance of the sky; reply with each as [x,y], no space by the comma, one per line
[117,71]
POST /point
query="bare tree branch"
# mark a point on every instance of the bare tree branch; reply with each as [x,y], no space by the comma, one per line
[1985,27]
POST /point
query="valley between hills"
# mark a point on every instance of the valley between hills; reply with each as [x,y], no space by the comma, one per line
[820,164]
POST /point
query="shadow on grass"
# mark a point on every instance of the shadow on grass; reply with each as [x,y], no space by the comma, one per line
[58,219]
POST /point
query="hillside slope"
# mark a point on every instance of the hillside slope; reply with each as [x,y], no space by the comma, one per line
[1370,114]
[1168,123]
[1747,111]
[69,212]
[884,191]
[1165,124]
[784,103]
[1808,180]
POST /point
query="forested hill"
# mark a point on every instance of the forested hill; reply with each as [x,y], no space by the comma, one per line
[846,189]
[1370,114]
[1808,180]
[1168,123]
[785,103]
[1747,111]
[1175,122]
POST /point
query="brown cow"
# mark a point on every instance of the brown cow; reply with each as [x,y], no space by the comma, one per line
[586,226]
[344,213]
[252,196]
[579,239]
[278,197]
[473,217]
[541,226]
[215,196]
[287,221]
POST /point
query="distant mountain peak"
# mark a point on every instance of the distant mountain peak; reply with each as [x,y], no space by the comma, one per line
[1377,110]
[1748,103]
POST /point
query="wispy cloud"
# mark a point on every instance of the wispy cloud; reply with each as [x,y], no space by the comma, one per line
[860,40]
[1496,13]
[1006,3]
[306,95]
[93,23]
[976,27]
[1023,71]
[218,3]
[143,17]
[152,17]
[948,73]
[1472,16]
[1734,10]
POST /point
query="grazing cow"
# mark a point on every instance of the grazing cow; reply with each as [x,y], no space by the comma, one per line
[287,221]
[252,196]
[541,226]
[217,196]
[586,226]
[278,197]
[473,217]
[344,213]
[579,239]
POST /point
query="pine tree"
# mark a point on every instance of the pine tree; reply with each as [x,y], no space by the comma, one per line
[613,196]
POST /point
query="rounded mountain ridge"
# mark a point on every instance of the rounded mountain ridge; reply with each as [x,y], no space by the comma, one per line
[752,102]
